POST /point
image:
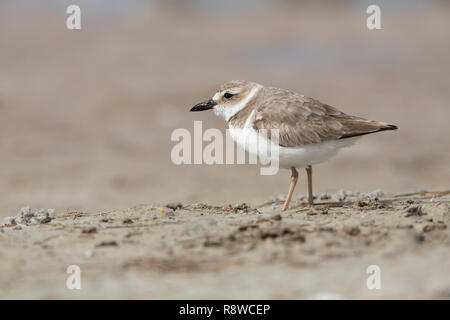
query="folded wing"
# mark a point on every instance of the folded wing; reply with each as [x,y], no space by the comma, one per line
[307,121]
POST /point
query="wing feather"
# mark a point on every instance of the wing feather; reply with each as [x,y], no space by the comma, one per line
[302,120]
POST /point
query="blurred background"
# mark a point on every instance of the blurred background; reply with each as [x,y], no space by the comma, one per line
[86,115]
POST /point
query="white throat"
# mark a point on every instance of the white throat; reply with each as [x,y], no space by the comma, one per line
[228,112]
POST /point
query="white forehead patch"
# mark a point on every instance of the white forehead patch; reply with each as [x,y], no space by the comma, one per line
[227,112]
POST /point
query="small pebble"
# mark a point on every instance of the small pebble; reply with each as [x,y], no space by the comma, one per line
[89,230]
[428,228]
[174,206]
[419,238]
[170,214]
[414,210]
[342,195]
[277,217]
[362,203]
[353,230]
[111,243]
[89,253]
[27,216]
[46,220]
[325,196]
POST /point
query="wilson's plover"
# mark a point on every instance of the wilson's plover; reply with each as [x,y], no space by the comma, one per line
[310,132]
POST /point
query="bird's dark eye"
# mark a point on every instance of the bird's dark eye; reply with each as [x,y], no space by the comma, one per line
[228,95]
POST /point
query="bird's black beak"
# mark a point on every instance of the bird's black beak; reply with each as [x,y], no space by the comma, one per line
[206,105]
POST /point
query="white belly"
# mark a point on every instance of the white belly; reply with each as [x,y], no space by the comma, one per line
[298,157]
[301,157]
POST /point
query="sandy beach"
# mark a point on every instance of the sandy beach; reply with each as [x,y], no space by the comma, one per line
[201,251]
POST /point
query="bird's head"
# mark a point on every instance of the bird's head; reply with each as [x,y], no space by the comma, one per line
[232,97]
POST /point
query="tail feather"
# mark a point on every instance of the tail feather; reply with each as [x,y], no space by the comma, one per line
[379,129]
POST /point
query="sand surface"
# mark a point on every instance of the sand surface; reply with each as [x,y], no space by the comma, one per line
[201,251]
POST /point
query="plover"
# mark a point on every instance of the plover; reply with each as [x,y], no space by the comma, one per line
[310,132]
